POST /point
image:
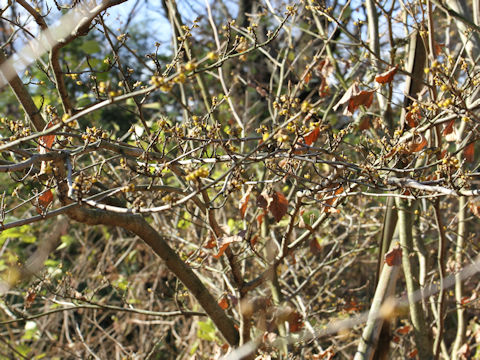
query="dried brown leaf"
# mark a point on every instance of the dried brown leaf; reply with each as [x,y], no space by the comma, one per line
[223,303]
[329,208]
[475,207]
[394,256]
[403,330]
[464,352]
[364,97]
[352,90]
[44,200]
[469,152]
[412,119]
[448,128]
[295,322]
[324,89]
[30,298]
[243,204]
[263,199]
[312,136]
[364,123]
[413,354]
[315,246]
[387,76]
[418,143]
[46,141]
[211,243]
[224,241]
[260,218]
[278,205]
[328,354]
[307,77]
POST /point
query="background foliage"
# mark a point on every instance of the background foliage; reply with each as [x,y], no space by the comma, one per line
[194,180]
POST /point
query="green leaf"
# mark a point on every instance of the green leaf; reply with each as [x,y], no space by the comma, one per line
[67,240]
[154,106]
[51,263]
[23,349]
[90,47]
[194,348]
[29,239]
[121,283]
[185,223]
[83,100]
[94,62]
[39,101]
[103,76]
[31,331]
[21,233]
[234,225]
[206,330]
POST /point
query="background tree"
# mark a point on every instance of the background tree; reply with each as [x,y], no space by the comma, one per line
[275,179]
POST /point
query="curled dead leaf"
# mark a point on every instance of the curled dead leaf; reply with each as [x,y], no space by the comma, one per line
[211,243]
[364,97]
[312,136]
[387,76]
[44,145]
[46,142]
[323,89]
[307,77]
[315,246]
[448,128]
[469,152]
[394,256]
[453,136]
[438,48]
[291,316]
[278,205]
[329,208]
[412,119]
[262,200]
[30,298]
[464,352]
[253,241]
[261,91]
[364,123]
[275,202]
[223,303]
[295,322]
[351,91]
[224,241]
[475,207]
[352,306]
[260,218]
[44,200]
[243,204]
[403,330]
[328,354]
[412,354]
[324,68]
[450,132]
[418,143]
[354,98]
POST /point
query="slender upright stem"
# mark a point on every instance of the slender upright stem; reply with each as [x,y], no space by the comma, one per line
[417,315]
[461,233]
